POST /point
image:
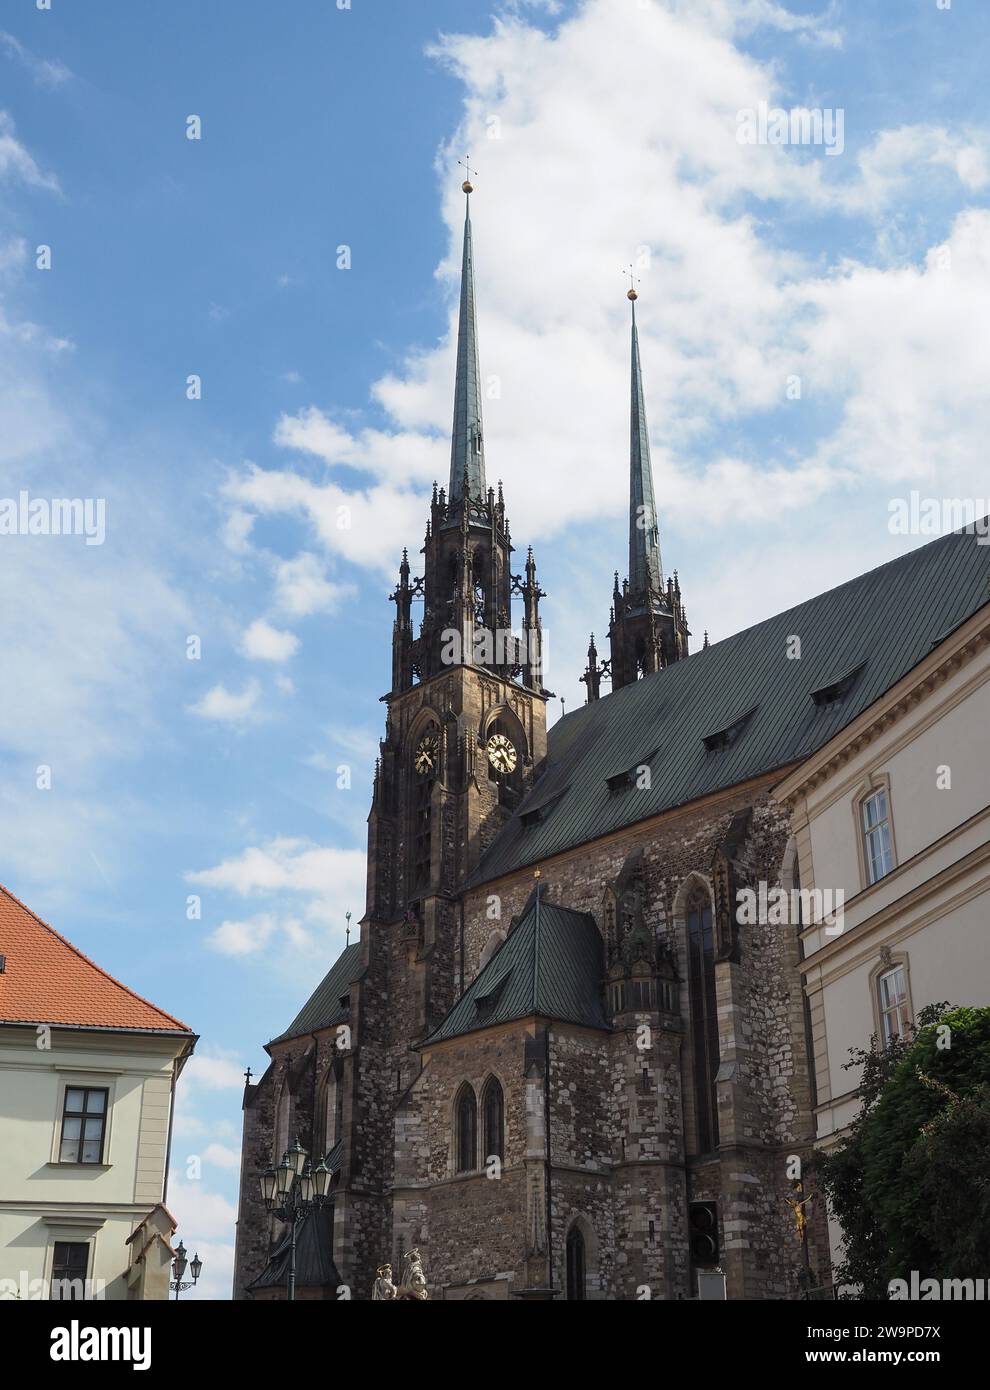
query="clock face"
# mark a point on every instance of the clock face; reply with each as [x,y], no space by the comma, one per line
[427,749]
[501,753]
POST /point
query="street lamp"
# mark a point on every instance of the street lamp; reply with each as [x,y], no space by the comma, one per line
[293,1191]
[179,1265]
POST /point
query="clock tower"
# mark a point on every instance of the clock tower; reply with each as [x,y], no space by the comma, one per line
[466,724]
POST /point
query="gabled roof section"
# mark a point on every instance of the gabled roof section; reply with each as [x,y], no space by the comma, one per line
[323,1008]
[551,965]
[45,979]
[314,1256]
[884,622]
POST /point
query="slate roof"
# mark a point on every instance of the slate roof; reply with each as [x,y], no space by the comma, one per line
[314,1256]
[45,979]
[551,965]
[886,621]
[322,1009]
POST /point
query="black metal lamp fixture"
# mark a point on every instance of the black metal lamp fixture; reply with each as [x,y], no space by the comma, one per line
[179,1266]
[293,1191]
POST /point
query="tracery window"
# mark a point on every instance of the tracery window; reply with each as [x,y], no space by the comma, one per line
[493,1113]
[466,1130]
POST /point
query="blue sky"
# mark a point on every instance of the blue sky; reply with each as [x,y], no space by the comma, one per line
[604,132]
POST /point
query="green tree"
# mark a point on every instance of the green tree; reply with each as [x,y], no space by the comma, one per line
[910,1183]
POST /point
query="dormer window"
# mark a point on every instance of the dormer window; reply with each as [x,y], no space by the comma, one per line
[723,738]
[836,690]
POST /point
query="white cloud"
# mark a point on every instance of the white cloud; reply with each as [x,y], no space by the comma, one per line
[16,162]
[212,1069]
[242,938]
[262,642]
[47,72]
[302,587]
[227,707]
[222,1156]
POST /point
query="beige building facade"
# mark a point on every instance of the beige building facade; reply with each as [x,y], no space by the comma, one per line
[894,814]
[85,1116]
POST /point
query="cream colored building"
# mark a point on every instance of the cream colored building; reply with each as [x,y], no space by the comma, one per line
[894,811]
[87,1083]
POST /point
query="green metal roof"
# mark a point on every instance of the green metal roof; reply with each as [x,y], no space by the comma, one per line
[747,691]
[322,1009]
[551,965]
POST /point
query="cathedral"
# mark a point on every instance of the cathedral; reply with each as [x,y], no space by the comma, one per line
[556,1063]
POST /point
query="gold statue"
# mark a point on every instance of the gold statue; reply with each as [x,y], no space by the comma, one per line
[413,1284]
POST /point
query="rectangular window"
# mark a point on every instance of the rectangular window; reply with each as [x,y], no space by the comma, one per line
[876,835]
[69,1267]
[895,1013]
[84,1125]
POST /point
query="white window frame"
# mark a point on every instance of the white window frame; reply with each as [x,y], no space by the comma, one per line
[899,1008]
[877,832]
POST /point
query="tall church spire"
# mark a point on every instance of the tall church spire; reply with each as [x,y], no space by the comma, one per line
[645,565]
[648,626]
[467,455]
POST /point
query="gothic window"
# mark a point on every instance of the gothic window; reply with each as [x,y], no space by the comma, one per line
[704,1016]
[281,1126]
[466,1130]
[333,1112]
[478,575]
[493,1111]
[575,1264]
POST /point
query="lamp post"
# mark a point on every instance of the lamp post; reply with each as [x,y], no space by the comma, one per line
[179,1268]
[293,1191]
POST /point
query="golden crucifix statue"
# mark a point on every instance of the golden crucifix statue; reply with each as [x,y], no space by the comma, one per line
[797,1204]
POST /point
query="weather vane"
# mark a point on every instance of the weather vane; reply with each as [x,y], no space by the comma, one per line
[465,164]
[633,282]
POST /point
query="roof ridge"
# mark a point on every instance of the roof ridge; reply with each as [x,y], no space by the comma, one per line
[89,961]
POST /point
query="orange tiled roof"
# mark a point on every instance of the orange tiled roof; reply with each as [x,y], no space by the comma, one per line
[46,980]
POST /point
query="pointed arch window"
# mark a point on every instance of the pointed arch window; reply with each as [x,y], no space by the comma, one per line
[576,1286]
[704,1015]
[466,1131]
[493,1116]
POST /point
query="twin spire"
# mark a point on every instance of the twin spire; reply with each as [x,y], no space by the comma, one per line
[467,450]
[645,566]
[649,628]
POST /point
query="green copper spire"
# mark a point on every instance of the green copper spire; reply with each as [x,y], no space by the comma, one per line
[467,444]
[645,566]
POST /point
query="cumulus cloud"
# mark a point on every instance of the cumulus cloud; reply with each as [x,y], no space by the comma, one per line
[302,586]
[262,642]
[227,706]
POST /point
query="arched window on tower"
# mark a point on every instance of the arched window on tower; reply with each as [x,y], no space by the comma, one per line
[704,1015]
[466,1131]
[281,1135]
[576,1282]
[493,1113]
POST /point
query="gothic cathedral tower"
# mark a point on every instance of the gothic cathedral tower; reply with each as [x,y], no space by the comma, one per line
[466,725]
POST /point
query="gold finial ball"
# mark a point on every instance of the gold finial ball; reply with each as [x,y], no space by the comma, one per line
[538,874]
[631,294]
[467,186]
